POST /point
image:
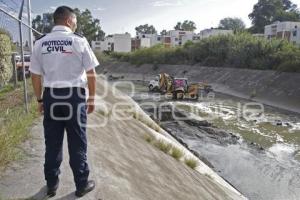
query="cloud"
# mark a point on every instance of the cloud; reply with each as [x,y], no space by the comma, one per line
[166,3]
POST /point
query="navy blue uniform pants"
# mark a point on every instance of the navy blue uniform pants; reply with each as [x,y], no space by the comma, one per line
[65,109]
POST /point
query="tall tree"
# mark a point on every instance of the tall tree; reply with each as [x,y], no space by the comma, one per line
[268,11]
[164,32]
[86,24]
[43,24]
[145,29]
[186,26]
[235,24]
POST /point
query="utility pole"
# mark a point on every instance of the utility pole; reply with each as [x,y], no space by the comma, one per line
[29,23]
[22,58]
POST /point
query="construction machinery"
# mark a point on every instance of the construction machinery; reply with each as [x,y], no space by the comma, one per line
[177,87]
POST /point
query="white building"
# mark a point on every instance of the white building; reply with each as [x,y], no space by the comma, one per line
[214,32]
[179,38]
[280,30]
[115,43]
[96,45]
[149,40]
[122,43]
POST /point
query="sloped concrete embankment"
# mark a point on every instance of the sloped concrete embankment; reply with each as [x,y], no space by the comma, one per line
[123,164]
[279,89]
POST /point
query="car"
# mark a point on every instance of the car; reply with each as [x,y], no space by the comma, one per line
[19,66]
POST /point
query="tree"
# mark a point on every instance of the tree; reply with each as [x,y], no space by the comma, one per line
[145,29]
[235,24]
[178,26]
[266,12]
[185,26]
[164,32]
[86,25]
[43,24]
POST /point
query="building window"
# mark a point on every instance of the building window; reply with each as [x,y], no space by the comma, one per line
[176,39]
[158,39]
[294,33]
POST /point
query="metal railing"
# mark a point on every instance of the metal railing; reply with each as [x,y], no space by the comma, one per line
[16,21]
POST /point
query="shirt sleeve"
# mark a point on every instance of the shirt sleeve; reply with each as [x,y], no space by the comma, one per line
[89,59]
[35,64]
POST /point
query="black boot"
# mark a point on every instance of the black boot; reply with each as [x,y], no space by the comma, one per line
[51,191]
[89,187]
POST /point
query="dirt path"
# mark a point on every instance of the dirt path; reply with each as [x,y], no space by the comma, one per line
[122,163]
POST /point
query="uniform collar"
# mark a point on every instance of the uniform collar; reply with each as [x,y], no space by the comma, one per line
[61,28]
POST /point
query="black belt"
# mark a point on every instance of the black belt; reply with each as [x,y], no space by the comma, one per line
[63,89]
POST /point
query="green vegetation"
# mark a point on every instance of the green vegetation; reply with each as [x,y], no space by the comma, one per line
[102,57]
[87,25]
[191,163]
[161,145]
[232,23]
[4,90]
[14,123]
[239,51]
[266,12]
[186,25]
[149,138]
[5,58]
[177,153]
[145,29]
[171,150]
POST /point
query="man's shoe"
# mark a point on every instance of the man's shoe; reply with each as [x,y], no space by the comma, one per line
[51,191]
[89,187]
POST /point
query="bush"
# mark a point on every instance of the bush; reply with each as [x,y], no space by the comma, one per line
[161,145]
[6,70]
[176,153]
[239,51]
[191,163]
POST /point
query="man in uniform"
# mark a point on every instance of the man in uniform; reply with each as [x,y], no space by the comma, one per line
[66,63]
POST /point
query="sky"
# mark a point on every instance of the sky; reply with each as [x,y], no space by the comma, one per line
[119,16]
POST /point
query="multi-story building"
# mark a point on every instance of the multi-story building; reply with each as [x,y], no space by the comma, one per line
[179,38]
[114,43]
[281,30]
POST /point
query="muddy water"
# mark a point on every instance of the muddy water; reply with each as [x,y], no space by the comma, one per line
[259,155]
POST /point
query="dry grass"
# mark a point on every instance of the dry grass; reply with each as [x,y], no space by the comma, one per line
[177,153]
[14,123]
[149,138]
[163,146]
[192,163]
[171,150]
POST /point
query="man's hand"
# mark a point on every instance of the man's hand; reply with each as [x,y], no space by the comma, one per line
[40,108]
[90,105]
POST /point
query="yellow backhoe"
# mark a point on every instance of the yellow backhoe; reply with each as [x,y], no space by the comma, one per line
[179,87]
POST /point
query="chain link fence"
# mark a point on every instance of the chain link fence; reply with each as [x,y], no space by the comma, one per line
[16,41]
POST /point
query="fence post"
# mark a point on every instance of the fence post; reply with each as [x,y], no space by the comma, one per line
[22,57]
[15,78]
